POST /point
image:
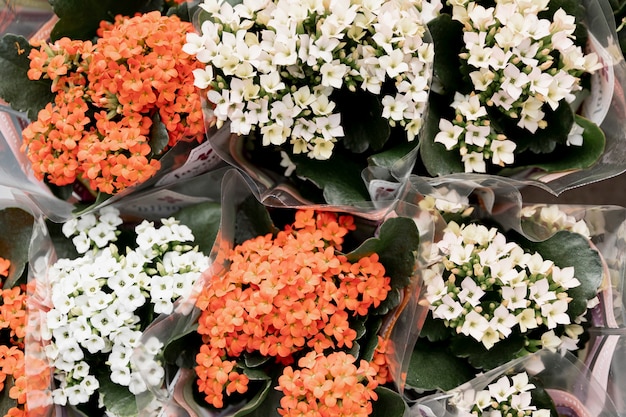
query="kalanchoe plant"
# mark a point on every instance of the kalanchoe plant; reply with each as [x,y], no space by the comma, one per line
[510,77]
[117,104]
[103,299]
[316,80]
[495,295]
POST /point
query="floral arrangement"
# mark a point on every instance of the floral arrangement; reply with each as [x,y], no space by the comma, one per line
[495,295]
[119,103]
[293,296]
[298,77]
[103,299]
[509,89]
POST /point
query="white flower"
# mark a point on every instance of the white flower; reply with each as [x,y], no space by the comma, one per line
[474,325]
[555,313]
[450,309]
[502,152]
[471,292]
[550,340]
[448,134]
[503,321]
[527,320]
[474,162]
[501,390]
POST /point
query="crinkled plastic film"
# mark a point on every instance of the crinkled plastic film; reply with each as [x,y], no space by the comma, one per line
[607,108]
[38,372]
[184,160]
[566,379]
[401,326]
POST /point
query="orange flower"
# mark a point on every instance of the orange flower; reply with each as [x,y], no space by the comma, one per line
[281,296]
[4,267]
[135,73]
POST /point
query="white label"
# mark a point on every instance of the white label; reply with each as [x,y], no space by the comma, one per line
[160,204]
[596,106]
[381,190]
[201,159]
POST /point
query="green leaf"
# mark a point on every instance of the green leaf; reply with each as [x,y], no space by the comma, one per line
[567,157]
[435,157]
[182,349]
[362,121]
[392,301]
[368,346]
[433,329]
[204,221]
[264,404]
[17,228]
[256,374]
[447,37]
[565,249]
[79,19]
[432,367]
[339,177]
[388,404]
[16,88]
[159,137]
[116,398]
[252,220]
[481,358]
[396,244]
[6,402]
[390,157]
[254,360]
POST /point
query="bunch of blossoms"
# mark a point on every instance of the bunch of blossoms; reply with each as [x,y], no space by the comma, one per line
[487,288]
[104,299]
[519,65]
[273,66]
[12,333]
[508,396]
[109,98]
[289,298]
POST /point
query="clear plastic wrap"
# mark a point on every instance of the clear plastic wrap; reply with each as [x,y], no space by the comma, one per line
[401,327]
[566,380]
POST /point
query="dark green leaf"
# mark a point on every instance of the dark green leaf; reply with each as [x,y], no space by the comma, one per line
[264,404]
[394,297]
[16,88]
[434,330]
[159,137]
[432,367]
[396,244]
[388,404]
[447,37]
[17,228]
[116,398]
[204,221]
[572,249]
[6,402]
[568,157]
[481,358]
[339,177]
[256,374]
[371,340]
[435,157]
[362,121]
[79,19]
[254,360]
[388,158]
[252,220]
[182,349]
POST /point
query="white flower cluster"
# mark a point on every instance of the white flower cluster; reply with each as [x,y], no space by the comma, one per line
[519,63]
[101,299]
[487,288]
[553,219]
[274,65]
[508,396]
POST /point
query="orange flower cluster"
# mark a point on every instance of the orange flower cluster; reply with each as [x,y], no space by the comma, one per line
[328,385]
[108,95]
[281,296]
[13,323]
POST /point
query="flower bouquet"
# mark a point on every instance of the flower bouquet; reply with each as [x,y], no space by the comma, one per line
[105,110]
[544,384]
[96,291]
[314,93]
[506,280]
[296,314]
[525,89]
